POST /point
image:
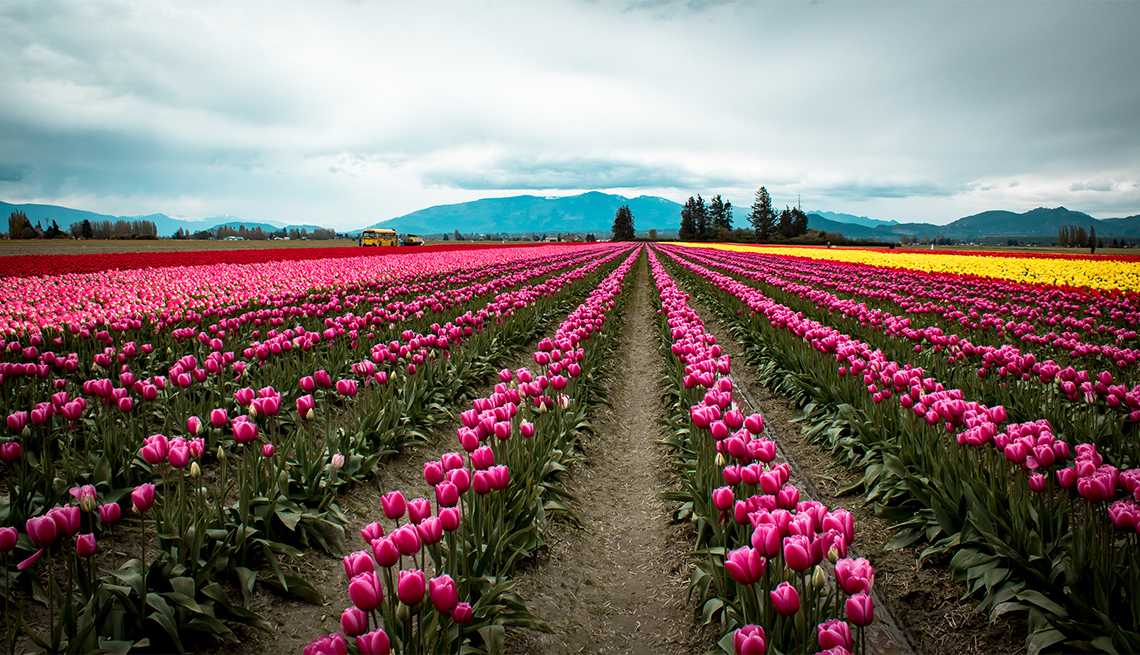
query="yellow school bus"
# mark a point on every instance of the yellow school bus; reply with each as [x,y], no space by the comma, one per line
[373,237]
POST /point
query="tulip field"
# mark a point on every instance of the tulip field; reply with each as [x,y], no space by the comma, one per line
[182,430]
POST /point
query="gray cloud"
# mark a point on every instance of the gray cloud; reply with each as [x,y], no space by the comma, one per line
[573,173]
[1093,185]
[885,189]
[14,172]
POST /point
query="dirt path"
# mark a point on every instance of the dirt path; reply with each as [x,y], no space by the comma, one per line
[617,584]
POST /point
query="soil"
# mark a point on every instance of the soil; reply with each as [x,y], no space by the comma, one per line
[618,583]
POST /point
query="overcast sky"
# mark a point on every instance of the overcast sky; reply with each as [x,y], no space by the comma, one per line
[350,113]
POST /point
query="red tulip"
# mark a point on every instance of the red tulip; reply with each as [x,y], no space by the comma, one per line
[110,513]
[10,452]
[8,537]
[407,540]
[385,551]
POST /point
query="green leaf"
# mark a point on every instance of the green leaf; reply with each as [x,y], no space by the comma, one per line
[1037,598]
[494,636]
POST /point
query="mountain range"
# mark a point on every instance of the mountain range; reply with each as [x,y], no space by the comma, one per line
[594,211]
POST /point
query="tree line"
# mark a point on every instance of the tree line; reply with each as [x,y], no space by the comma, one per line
[1073,236]
[713,221]
[20,227]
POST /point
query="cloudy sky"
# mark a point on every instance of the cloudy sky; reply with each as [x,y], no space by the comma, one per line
[346,113]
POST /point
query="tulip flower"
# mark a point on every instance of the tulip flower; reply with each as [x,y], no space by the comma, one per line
[785,599]
[449,519]
[85,545]
[354,621]
[766,539]
[308,385]
[333,644]
[394,505]
[85,495]
[385,551]
[372,531]
[8,537]
[346,387]
[433,473]
[745,565]
[42,531]
[357,563]
[10,452]
[797,553]
[418,510]
[373,643]
[723,499]
[244,430]
[834,633]
[860,609]
[179,455]
[750,640]
[66,519]
[446,494]
[407,539]
[483,458]
[444,594]
[430,530]
[854,575]
[142,498]
[218,418]
[410,587]
[366,591]
[110,513]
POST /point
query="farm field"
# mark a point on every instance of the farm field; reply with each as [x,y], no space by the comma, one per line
[572,447]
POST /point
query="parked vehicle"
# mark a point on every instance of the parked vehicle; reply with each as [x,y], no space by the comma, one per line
[374,237]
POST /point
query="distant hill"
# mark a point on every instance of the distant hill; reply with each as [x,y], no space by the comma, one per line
[1040,222]
[587,212]
[851,219]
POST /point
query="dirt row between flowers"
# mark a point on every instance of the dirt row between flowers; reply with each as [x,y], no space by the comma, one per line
[925,602]
[617,583]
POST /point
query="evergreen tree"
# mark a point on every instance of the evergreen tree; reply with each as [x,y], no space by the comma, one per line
[720,214]
[1092,240]
[799,222]
[701,217]
[763,217]
[688,222]
[623,224]
[784,224]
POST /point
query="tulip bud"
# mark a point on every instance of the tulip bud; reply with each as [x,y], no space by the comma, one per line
[195,471]
[818,578]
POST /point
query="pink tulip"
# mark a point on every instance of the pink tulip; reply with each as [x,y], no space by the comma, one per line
[218,418]
[451,461]
[483,458]
[750,640]
[418,510]
[357,563]
[500,477]
[244,430]
[766,539]
[17,421]
[394,504]
[373,643]
[444,594]
[8,537]
[267,450]
[143,498]
[797,553]
[366,591]
[446,494]
[42,530]
[346,387]
[410,587]
[462,613]
[322,379]
[407,540]
[430,530]
[433,473]
[449,518]
[10,452]
[333,644]
[854,575]
[354,621]
[723,499]
[1067,478]
[110,513]
[860,609]
[785,599]
[85,545]
[66,519]
[745,565]
[308,385]
[461,478]
[385,551]
[834,633]
[179,455]
[372,531]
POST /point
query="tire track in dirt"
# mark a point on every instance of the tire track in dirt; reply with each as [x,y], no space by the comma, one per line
[617,584]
